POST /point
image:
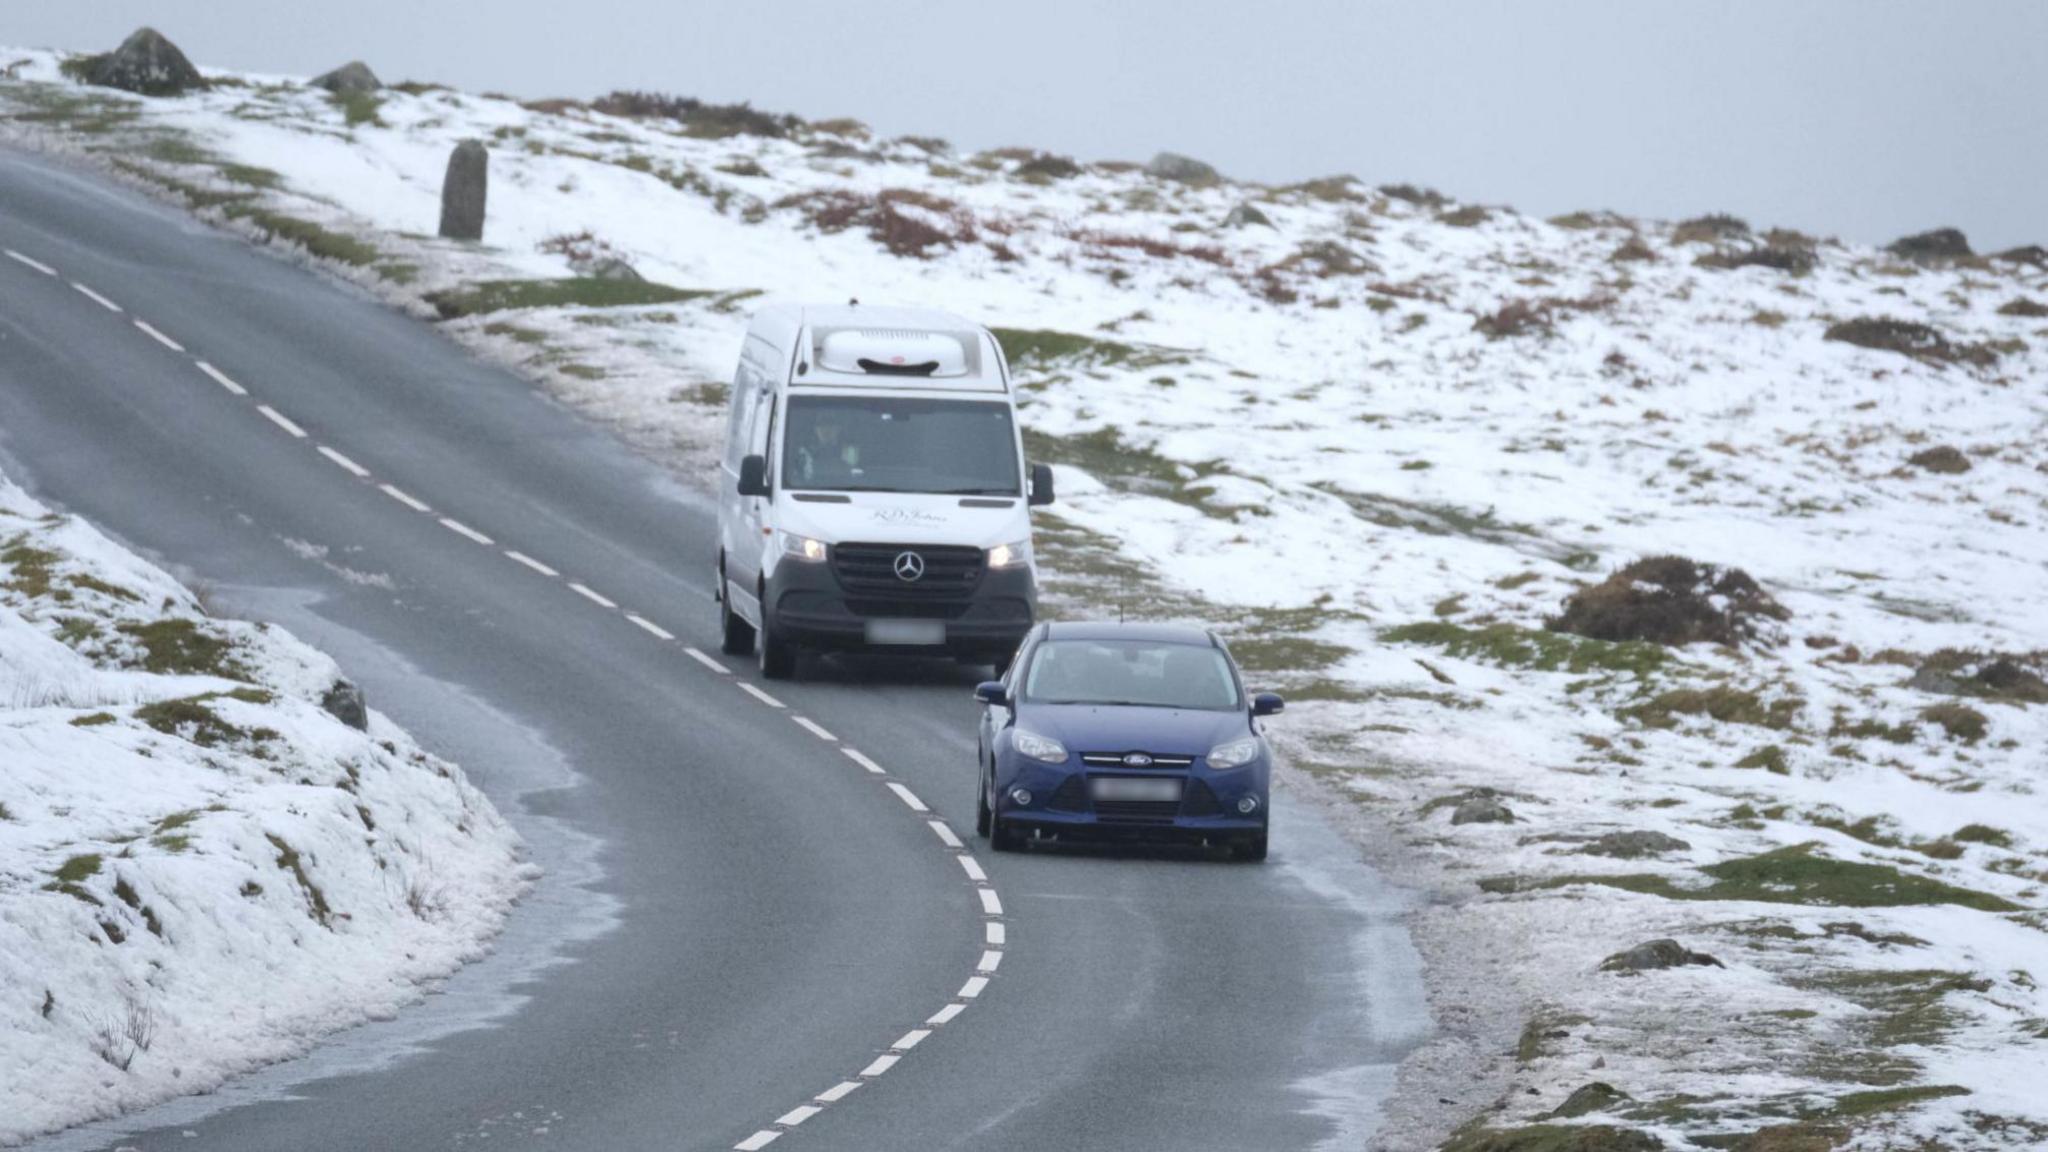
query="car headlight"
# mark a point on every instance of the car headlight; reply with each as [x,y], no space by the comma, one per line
[1010,555]
[803,548]
[1235,754]
[1038,747]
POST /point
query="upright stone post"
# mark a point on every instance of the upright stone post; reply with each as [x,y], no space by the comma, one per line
[462,193]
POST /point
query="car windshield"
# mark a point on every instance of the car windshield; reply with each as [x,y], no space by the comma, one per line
[900,444]
[1131,672]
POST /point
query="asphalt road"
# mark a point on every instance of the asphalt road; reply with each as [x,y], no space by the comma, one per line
[740,915]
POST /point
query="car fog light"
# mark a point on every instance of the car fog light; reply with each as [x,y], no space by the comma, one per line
[1248,805]
[1021,796]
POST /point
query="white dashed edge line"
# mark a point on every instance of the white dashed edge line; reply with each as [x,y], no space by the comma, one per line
[908,797]
[947,836]
[221,378]
[38,265]
[282,421]
[989,962]
[591,594]
[404,498]
[910,1039]
[650,627]
[763,697]
[461,529]
[881,1064]
[699,656]
[159,337]
[798,1115]
[946,1014]
[815,729]
[972,867]
[863,761]
[347,465]
[758,1140]
[972,988]
[837,1092]
[991,904]
[996,934]
[95,297]
[522,558]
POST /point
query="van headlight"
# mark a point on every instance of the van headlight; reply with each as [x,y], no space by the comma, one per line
[1235,754]
[1010,555]
[803,548]
[1038,747]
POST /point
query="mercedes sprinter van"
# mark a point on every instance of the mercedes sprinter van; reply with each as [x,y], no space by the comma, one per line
[874,494]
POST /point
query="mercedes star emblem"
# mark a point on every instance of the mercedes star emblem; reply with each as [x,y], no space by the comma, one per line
[909,567]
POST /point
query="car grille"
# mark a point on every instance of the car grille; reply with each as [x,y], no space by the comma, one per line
[1137,811]
[950,570]
[1116,760]
[1198,800]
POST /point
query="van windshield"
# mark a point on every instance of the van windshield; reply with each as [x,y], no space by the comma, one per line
[900,444]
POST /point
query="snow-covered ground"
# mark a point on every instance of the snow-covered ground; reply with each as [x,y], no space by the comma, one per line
[1379,437]
[202,870]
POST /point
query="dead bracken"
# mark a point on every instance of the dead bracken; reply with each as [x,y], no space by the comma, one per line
[1670,600]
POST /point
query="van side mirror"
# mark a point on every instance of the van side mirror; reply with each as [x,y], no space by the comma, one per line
[1041,485]
[754,476]
[1268,704]
[991,692]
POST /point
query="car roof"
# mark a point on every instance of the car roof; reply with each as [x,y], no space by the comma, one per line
[1113,630]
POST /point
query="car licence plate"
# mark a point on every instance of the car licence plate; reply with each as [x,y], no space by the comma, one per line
[1127,788]
[906,631]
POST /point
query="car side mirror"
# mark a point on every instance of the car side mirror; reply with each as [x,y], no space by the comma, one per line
[754,476]
[1268,704]
[991,692]
[1041,485]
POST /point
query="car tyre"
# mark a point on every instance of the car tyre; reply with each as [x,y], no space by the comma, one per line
[983,818]
[1251,849]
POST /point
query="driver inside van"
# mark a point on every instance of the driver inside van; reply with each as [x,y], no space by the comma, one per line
[825,456]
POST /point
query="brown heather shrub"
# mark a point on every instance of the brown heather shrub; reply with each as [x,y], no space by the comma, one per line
[1469,216]
[1633,249]
[1710,229]
[712,121]
[1940,246]
[1909,338]
[1105,242]
[1329,189]
[2025,254]
[1670,600]
[1418,196]
[1045,167]
[1783,257]
[1943,459]
[2022,306]
[913,233]
[1537,315]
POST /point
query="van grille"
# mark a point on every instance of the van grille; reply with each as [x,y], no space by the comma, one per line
[950,570]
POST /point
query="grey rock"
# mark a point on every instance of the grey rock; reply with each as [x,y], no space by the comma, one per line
[1631,845]
[1186,169]
[354,76]
[345,701]
[611,268]
[1936,247]
[464,191]
[1657,954]
[1597,1096]
[145,63]
[1481,810]
[1246,216]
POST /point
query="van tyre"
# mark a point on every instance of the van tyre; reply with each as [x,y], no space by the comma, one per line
[778,656]
[737,638]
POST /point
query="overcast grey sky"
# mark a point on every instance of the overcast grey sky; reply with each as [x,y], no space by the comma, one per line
[1858,118]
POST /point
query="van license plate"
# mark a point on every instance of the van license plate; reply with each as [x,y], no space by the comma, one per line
[906,632]
[1125,788]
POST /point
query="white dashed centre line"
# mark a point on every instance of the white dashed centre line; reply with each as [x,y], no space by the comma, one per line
[400,496]
[946,834]
[96,298]
[591,595]
[757,694]
[996,933]
[348,465]
[882,1064]
[837,1092]
[159,337]
[650,627]
[282,421]
[461,529]
[530,562]
[991,903]
[947,1013]
[990,961]
[973,987]
[758,1140]
[221,379]
[708,662]
[38,265]
[972,867]
[911,1039]
[908,797]
[798,1115]
[812,727]
[863,761]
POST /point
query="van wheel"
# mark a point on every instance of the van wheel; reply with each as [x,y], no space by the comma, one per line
[778,656]
[738,634]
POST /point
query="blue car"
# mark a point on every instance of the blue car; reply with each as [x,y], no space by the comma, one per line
[1127,731]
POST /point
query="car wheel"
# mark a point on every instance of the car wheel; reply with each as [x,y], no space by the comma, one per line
[982,816]
[738,635]
[1002,837]
[1251,849]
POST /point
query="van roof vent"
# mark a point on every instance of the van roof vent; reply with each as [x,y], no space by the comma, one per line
[893,352]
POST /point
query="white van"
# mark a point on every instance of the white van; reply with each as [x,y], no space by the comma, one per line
[874,494]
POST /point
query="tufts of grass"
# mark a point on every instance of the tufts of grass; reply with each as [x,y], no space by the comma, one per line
[182,647]
[251,176]
[358,108]
[78,868]
[30,567]
[288,859]
[1982,834]
[574,292]
[189,718]
[1553,1138]
[1891,1099]
[1960,721]
[93,720]
[95,584]
[1909,338]
[1670,600]
[1794,875]
[1770,757]
[1720,703]
[1043,349]
[312,237]
[1516,647]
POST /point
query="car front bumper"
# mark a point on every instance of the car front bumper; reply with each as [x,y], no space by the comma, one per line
[1062,806]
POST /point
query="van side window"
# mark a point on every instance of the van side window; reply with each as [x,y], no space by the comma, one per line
[745,391]
[763,433]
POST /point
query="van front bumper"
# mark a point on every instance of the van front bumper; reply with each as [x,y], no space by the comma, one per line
[806,605]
